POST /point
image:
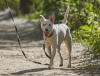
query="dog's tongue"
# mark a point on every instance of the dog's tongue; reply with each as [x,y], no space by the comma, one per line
[46,34]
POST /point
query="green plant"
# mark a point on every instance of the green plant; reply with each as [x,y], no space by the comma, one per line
[90,35]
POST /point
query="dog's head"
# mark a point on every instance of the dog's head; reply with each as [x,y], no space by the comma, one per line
[47,24]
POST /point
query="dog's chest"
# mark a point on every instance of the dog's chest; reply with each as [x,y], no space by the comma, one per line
[48,41]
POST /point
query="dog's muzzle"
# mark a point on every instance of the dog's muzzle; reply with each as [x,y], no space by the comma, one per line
[46,33]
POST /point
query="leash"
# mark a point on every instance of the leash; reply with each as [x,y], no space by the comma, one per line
[45,52]
[18,39]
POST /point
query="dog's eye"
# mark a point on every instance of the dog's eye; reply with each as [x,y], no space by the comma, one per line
[43,24]
[49,24]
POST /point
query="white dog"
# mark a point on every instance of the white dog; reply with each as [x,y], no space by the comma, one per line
[54,34]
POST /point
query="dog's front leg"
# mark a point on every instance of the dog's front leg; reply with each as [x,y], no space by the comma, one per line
[49,50]
[52,57]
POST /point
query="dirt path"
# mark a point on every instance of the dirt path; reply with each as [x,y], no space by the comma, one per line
[12,62]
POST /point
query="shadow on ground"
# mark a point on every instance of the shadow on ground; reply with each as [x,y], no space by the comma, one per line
[83,72]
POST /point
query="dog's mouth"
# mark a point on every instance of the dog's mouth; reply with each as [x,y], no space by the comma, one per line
[46,33]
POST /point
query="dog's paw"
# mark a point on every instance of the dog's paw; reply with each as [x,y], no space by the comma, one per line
[69,66]
[50,67]
[61,65]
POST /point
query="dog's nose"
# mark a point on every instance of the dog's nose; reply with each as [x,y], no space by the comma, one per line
[46,29]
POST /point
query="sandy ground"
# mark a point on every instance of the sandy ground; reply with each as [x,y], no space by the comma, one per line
[13,63]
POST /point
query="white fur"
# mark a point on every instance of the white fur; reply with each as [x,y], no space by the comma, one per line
[61,33]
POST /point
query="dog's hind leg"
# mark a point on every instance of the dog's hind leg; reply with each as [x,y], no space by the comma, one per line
[68,43]
[61,59]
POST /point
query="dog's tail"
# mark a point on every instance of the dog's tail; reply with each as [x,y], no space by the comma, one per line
[66,16]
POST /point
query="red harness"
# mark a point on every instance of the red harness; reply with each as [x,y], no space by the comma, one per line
[50,34]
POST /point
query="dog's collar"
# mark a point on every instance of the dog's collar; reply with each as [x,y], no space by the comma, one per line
[50,34]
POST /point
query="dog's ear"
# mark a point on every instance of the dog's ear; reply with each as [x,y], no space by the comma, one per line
[52,18]
[42,19]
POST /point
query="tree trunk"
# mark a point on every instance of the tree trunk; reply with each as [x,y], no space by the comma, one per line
[25,6]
